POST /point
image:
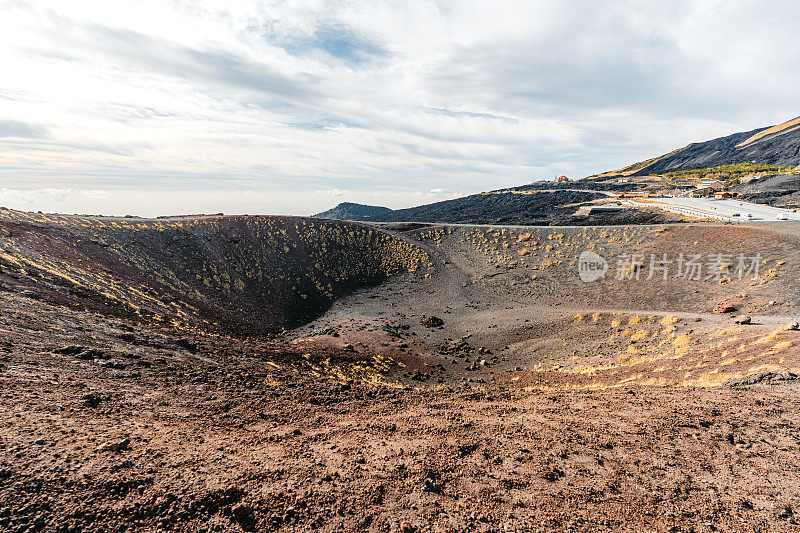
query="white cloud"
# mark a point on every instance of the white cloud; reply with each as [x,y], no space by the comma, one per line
[376,101]
[336,193]
[152,203]
[33,198]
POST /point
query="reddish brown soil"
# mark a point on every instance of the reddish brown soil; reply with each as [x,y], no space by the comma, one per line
[534,406]
[220,440]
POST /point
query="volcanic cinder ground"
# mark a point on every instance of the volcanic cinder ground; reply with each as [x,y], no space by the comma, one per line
[273,373]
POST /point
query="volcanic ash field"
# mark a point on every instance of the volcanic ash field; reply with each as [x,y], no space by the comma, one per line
[275,373]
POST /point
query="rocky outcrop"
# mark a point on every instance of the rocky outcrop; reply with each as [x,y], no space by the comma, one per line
[763,378]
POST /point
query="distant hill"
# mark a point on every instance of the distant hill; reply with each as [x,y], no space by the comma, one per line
[775,145]
[502,208]
[508,208]
[352,211]
[764,151]
[543,207]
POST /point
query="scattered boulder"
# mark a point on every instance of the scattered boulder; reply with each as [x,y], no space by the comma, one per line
[724,307]
[419,376]
[99,242]
[406,527]
[467,449]
[94,399]
[394,331]
[81,352]
[432,321]
[186,344]
[326,332]
[429,486]
[743,319]
[241,510]
[128,337]
[458,348]
[72,349]
[794,326]
[553,475]
[91,353]
[114,446]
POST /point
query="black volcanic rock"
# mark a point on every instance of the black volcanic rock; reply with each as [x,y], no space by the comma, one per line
[778,190]
[351,211]
[541,208]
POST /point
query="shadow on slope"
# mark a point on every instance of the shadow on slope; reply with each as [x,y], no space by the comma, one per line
[243,274]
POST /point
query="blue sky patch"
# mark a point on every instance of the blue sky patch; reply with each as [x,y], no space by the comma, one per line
[334,39]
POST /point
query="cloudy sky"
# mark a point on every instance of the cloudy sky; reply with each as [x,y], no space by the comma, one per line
[153,107]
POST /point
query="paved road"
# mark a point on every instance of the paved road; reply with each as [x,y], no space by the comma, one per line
[721,209]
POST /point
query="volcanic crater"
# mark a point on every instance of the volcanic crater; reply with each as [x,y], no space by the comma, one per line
[229,373]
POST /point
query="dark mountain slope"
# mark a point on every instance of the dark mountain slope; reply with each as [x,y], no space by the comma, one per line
[529,208]
[493,208]
[776,145]
[351,211]
[507,208]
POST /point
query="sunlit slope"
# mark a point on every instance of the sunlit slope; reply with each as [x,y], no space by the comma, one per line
[777,145]
[647,265]
[663,313]
[780,129]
